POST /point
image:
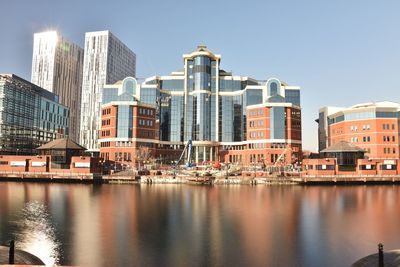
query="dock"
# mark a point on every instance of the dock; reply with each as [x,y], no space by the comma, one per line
[65,177]
[348,179]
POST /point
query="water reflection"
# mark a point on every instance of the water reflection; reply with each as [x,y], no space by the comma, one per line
[175,225]
[35,233]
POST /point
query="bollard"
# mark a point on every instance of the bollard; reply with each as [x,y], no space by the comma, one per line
[11,253]
[380,254]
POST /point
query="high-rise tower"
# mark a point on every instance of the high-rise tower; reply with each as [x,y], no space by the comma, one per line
[57,67]
[106,61]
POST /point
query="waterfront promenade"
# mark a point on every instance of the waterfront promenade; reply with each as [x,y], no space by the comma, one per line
[166,178]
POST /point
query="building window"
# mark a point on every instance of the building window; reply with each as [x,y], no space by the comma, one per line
[273,88]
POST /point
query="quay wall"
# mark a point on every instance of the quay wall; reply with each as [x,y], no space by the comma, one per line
[43,164]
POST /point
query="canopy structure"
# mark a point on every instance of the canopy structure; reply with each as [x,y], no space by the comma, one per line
[63,143]
[346,154]
[61,151]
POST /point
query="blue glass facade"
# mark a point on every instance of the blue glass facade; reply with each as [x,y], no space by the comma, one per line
[29,116]
[372,114]
[124,121]
[253,97]
[208,105]
[293,96]
[277,123]
[172,85]
[176,121]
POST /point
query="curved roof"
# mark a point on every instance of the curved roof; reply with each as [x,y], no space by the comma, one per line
[200,51]
[383,104]
[64,143]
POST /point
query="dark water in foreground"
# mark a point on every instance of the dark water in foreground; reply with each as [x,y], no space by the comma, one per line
[182,225]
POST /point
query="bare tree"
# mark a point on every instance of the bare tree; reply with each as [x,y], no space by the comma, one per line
[143,154]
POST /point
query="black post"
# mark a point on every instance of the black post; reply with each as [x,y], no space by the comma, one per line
[380,250]
[11,253]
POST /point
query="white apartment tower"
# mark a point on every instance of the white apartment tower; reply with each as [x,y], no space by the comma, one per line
[57,67]
[106,61]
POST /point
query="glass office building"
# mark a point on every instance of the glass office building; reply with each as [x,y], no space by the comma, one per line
[30,116]
[209,106]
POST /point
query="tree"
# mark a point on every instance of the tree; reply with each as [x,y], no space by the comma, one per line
[143,154]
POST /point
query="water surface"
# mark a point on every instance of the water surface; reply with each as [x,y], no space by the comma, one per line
[183,225]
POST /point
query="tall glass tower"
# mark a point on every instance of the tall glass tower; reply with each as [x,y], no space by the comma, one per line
[106,61]
[57,67]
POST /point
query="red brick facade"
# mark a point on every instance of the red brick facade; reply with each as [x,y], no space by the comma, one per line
[328,166]
[143,135]
[260,148]
[42,164]
[379,136]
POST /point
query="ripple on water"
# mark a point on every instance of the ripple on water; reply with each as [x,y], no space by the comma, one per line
[36,234]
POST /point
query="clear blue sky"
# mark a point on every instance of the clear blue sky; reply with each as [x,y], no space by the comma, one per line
[340,52]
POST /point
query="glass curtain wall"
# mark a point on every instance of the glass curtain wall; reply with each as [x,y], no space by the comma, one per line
[202,100]
[124,121]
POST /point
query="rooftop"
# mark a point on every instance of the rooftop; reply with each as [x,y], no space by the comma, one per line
[63,143]
[343,146]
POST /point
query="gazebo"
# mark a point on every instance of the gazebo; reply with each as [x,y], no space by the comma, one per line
[346,154]
[61,151]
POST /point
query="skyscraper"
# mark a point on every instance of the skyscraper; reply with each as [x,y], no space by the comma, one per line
[106,61]
[57,67]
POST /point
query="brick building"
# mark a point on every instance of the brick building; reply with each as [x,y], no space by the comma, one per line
[227,118]
[268,128]
[371,126]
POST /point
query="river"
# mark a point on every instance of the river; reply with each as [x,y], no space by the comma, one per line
[189,225]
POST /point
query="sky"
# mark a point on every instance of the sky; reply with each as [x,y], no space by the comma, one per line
[339,52]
